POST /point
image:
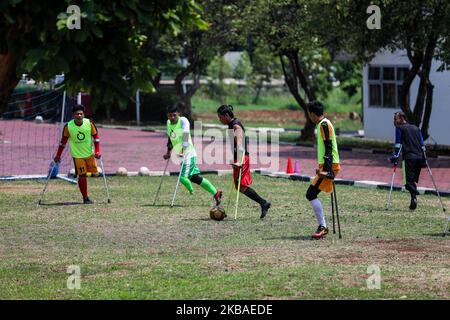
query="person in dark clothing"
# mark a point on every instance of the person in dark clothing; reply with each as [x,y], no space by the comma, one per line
[241,157]
[409,141]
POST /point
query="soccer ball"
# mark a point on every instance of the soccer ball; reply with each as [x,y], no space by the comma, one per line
[217,213]
[122,172]
[72,173]
[144,171]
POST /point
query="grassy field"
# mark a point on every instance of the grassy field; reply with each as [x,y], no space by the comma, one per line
[132,250]
[276,109]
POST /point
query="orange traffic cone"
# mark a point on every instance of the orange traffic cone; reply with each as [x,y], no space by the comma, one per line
[289,168]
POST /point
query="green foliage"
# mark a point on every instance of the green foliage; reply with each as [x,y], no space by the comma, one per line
[103,57]
[218,70]
[244,67]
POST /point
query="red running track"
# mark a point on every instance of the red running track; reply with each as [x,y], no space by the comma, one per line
[32,146]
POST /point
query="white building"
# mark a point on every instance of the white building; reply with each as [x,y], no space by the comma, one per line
[382,79]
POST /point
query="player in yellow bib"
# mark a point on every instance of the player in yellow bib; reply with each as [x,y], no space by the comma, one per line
[180,142]
[328,160]
[80,132]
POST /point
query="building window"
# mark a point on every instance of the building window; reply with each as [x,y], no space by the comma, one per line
[385,84]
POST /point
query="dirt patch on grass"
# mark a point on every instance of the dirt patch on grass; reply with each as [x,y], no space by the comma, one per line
[35,188]
[20,189]
[408,245]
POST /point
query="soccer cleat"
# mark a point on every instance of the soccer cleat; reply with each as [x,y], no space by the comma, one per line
[413,204]
[87,201]
[320,233]
[264,208]
[218,197]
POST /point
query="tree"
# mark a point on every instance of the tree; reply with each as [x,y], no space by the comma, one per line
[421,28]
[102,57]
[303,35]
[265,66]
[196,46]
[217,71]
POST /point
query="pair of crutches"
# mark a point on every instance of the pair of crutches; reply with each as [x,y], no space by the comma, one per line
[435,187]
[53,165]
[178,181]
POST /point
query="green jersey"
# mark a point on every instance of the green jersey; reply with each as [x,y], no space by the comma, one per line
[80,139]
[321,136]
[175,134]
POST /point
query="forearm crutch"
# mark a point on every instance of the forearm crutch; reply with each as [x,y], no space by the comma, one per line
[337,210]
[239,186]
[104,180]
[53,164]
[178,181]
[160,183]
[438,194]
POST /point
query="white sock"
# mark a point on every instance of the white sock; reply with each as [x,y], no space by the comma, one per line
[318,210]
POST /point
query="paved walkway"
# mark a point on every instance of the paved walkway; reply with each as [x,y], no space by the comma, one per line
[30,153]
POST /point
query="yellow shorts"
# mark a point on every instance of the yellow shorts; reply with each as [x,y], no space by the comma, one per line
[85,165]
[326,184]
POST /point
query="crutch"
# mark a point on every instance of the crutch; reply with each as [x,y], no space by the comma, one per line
[229,194]
[160,184]
[53,165]
[178,181]
[337,211]
[239,186]
[388,203]
[332,212]
[104,180]
[439,195]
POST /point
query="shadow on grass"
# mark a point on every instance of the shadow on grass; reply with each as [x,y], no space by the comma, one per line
[440,234]
[294,238]
[163,205]
[61,204]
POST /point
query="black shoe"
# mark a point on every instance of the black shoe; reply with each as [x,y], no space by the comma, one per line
[87,201]
[413,204]
[264,208]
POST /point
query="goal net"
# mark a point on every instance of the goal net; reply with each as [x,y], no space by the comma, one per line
[30,131]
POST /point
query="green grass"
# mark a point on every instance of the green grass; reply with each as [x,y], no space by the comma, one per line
[132,250]
[202,104]
[336,101]
[278,109]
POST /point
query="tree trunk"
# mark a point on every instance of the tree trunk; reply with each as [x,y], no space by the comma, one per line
[420,100]
[259,87]
[186,97]
[427,113]
[293,78]
[416,61]
[8,79]
[156,80]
